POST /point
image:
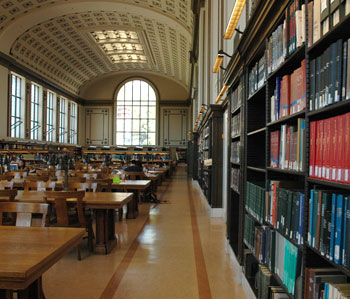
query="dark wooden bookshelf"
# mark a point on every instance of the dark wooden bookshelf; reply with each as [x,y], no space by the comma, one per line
[289,119]
[256,126]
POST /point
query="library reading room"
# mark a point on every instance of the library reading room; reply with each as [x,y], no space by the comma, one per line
[174,149]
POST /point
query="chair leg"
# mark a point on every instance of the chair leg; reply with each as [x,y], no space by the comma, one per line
[90,238]
[78,253]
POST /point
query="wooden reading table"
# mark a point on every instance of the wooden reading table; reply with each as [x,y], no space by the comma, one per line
[104,204]
[136,186]
[26,253]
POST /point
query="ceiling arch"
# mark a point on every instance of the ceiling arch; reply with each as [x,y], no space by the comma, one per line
[55,40]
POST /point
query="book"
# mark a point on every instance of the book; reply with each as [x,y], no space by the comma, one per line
[317,21]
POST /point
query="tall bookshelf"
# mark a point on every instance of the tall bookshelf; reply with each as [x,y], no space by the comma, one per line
[263,184]
[210,155]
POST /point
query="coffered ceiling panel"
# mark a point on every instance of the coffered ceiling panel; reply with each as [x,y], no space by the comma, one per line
[66,49]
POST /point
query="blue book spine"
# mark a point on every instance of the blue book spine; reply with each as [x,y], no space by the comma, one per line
[346,202]
[301,144]
[334,205]
[326,290]
[309,237]
[301,219]
[338,230]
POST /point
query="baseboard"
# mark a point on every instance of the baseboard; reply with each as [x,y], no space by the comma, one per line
[241,279]
[246,286]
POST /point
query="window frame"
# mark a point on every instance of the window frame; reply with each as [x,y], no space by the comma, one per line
[73,123]
[136,120]
[63,118]
[36,103]
[51,116]
[17,131]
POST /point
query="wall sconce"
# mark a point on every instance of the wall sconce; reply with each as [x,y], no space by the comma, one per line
[219,60]
[235,15]
[222,92]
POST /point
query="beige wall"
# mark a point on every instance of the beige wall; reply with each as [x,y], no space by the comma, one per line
[3,101]
[105,87]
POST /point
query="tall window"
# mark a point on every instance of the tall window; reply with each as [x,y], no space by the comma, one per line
[51,116]
[17,106]
[73,123]
[35,107]
[63,121]
[136,114]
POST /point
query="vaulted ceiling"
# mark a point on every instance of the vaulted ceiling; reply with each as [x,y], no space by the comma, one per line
[73,42]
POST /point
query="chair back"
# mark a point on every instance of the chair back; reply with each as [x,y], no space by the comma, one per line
[134,175]
[61,205]
[6,185]
[102,184]
[87,187]
[6,177]
[24,212]
[36,178]
[38,186]
[8,195]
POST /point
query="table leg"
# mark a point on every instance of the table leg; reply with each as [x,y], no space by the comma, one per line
[133,207]
[105,230]
[34,291]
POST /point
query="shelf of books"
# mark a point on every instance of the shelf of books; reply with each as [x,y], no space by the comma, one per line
[210,148]
[290,154]
[235,219]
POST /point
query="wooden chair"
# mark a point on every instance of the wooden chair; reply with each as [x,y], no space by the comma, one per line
[6,185]
[6,177]
[103,184]
[64,218]
[134,175]
[8,195]
[18,173]
[39,185]
[88,187]
[24,212]
[33,178]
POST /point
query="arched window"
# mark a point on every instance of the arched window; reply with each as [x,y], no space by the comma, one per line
[136,114]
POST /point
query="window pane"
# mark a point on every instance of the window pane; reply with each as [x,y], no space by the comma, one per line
[128,112]
[143,139]
[135,125]
[128,91]
[144,111]
[135,139]
[152,138]
[127,138]
[137,90]
[120,125]
[120,138]
[144,91]
[144,126]
[120,112]
[136,112]
[152,112]
[120,96]
[128,125]
[152,126]
[152,95]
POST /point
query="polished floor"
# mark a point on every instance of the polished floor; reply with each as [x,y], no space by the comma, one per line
[171,251]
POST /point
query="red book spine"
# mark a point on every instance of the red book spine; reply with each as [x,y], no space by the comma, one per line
[340,148]
[319,148]
[347,149]
[277,148]
[312,149]
[327,143]
[333,151]
[287,156]
[272,145]
[293,91]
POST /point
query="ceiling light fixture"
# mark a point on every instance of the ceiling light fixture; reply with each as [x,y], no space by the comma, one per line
[219,60]
[222,92]
[235,15]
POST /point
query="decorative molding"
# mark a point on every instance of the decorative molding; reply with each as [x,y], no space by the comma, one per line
[97,133]
[168,124]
